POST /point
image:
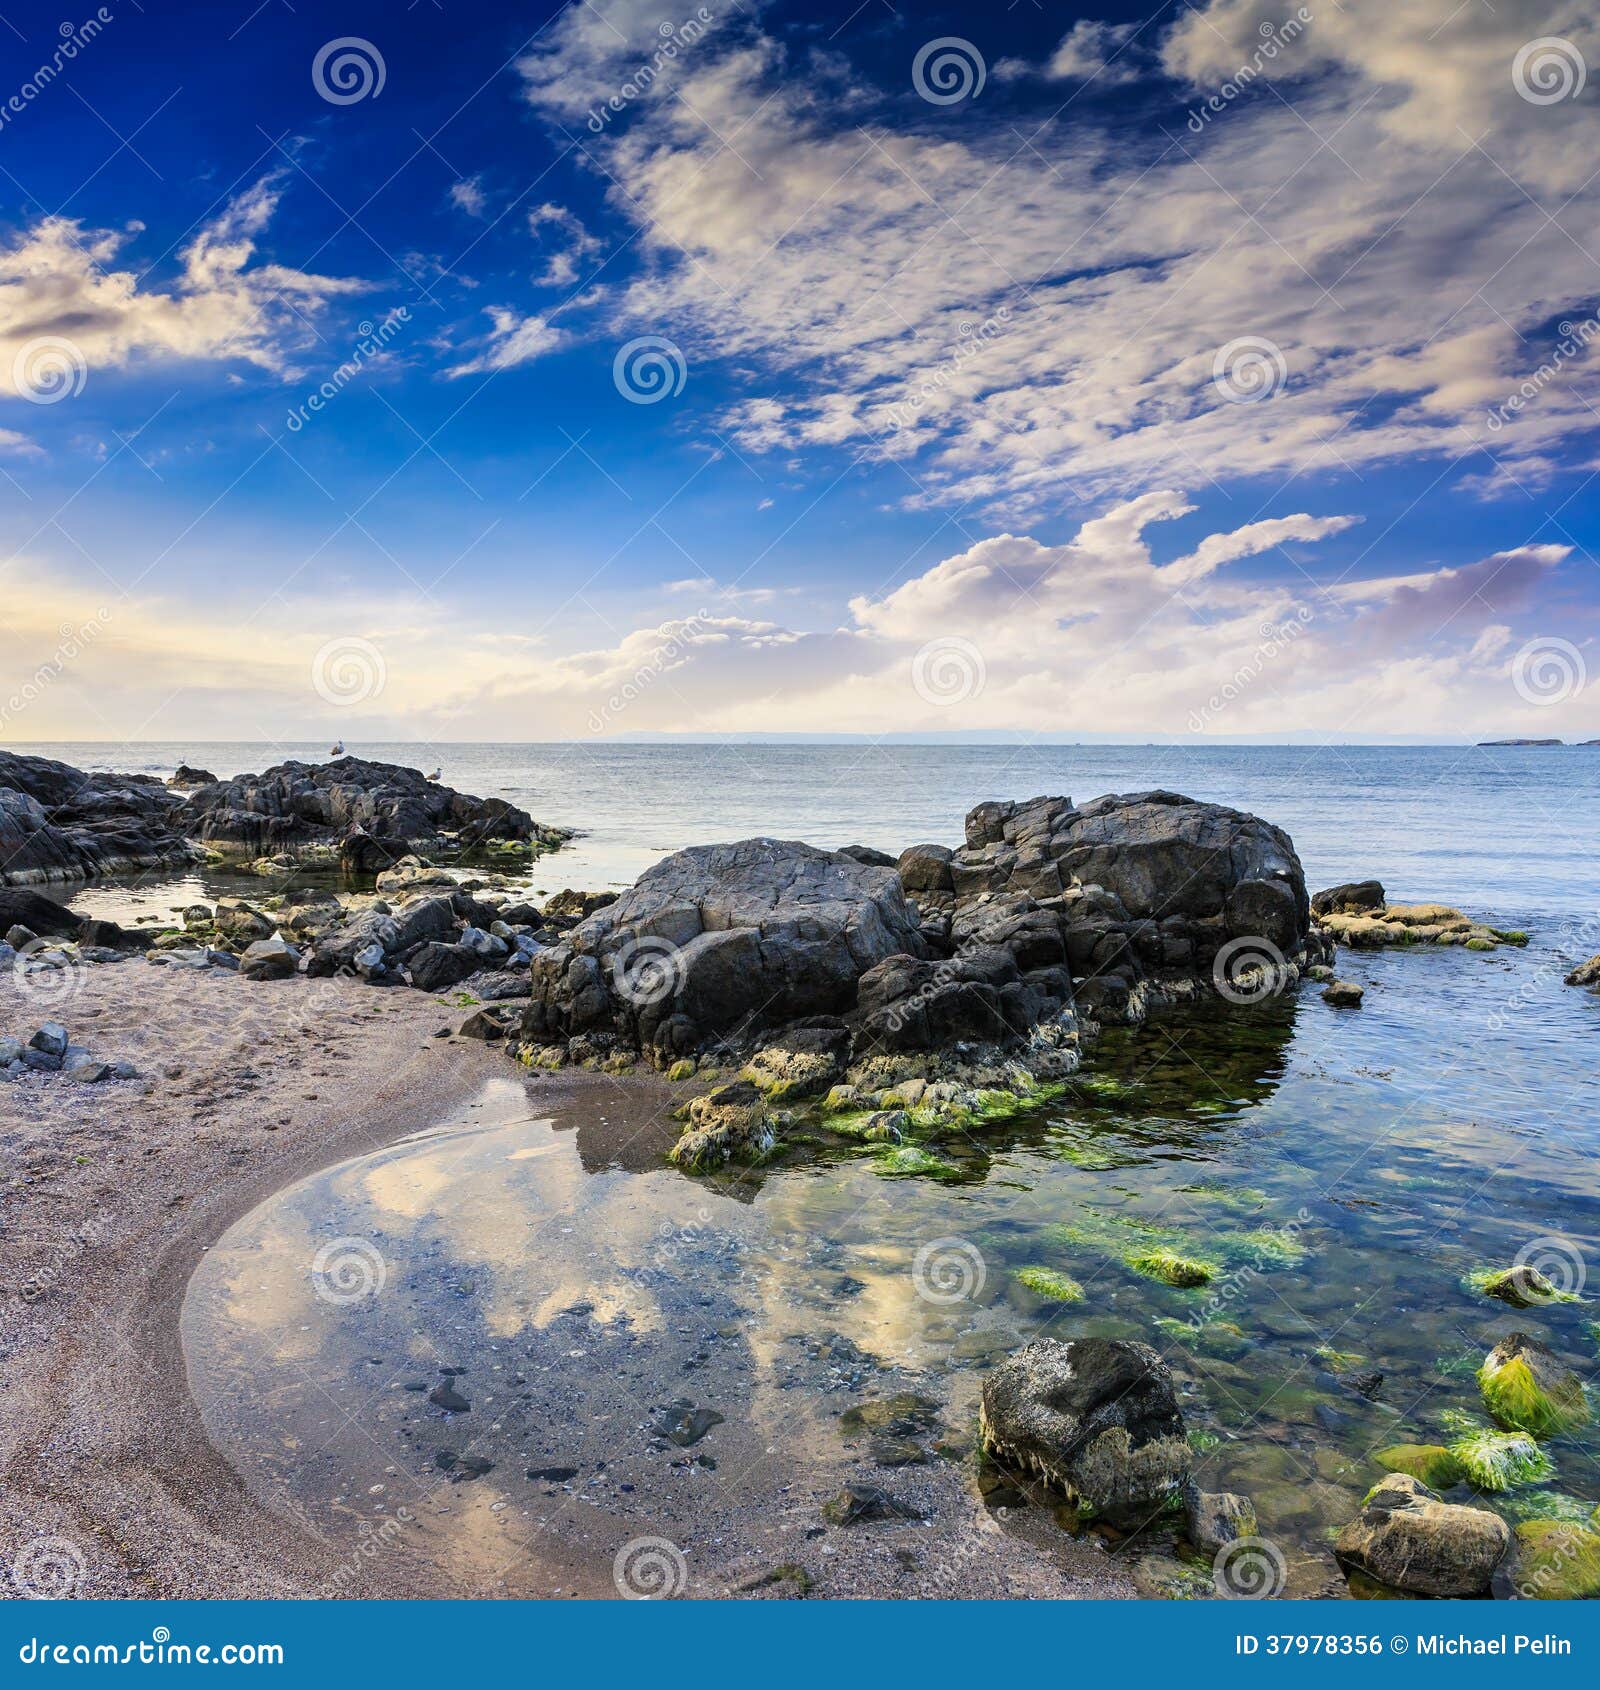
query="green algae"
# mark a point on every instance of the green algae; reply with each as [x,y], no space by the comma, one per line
[1433,1464]
[1522,1288]
[1516,1399]
[907,1161]
[1495,1461]
[1046,1282]
[1184,1272]
[1556,1560]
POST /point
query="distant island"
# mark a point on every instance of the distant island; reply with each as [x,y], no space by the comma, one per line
[1483,743]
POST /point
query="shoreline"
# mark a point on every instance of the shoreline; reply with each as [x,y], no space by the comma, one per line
[101,1442]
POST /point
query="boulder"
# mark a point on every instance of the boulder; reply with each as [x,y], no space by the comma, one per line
[1343,994]
[1356,897]
[728,1124]
[1527,1389]
[1214,1519]
[1406,1538]
[1556,1561]
[925,869]
[269,959]
[36,914]
[1586,973]
[185,779]
[807,1060]
[241,924]
[1094,1418]
[720,939]
[437,967]
[58,823]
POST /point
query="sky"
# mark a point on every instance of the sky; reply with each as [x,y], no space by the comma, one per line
[524,372]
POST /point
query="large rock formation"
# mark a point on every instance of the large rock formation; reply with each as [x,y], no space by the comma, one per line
[720,940]
[58,823]
[1115,908]
[1094,1418]
[367,814]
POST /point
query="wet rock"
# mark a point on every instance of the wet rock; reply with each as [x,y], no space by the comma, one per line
[1433,1464]
[1096,1419]
[1556,1561]
[808,1059]
[487,1024]
[242,925]
[1214,1519]
[1527,1389]
[554,1475]
[447,1397]
[1343,994]
[730,1123]
[1406,1538]
[185,779]
[896,1452]
[1356,897]
[1586,973]
[685,1425]
[904,1414]
[437,967]
[858,1503]
[1522,1286]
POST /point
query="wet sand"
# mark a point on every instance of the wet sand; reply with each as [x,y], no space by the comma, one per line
[114,1192]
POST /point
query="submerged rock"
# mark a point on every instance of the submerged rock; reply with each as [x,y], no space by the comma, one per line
[1214,1519]
[1343,994]
[1094,1418]
[1406,1538]
[1522,1286]
[1556,1561]
[1527,1389]
[856,1503]
[1586,973]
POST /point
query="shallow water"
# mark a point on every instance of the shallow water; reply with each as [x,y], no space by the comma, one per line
[1343,1171]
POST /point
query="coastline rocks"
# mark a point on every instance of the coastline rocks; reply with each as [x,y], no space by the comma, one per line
[806,1060]
[436,967]
[1556,1561]
[1214,1519]
[58,823]
[269,959]
[718,940]
[1343,994]
[1412,924]
[1356,897]
[1406,1538]
[369,815]
[1094,1418]
[185,779]
[1527,1389]
[1586,973]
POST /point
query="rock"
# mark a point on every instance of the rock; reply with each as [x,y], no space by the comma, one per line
[58,823]
[436,967]
[185,779]
[488,947]
[486,1024]
[1343,994]
[1586,973]
[718,939]
[1527,1389]
[50,1040]
[1556,1561]
[241,924]
[1096,1419]
[87,1071]
[413,875]
[1357,897]
[1214,1519]
[856,1503]
[28,914]
[728,1123]
[1522,1286]
[269,959]
[1433,1464]
[684,1425]
[1406,1538]
[445,1395]
[10,1051]
[925,869]
[366,814]
[568,905]
[808,1060]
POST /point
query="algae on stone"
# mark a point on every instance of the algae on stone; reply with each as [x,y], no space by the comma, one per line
[1172,1269]
[1046,1282]
[1496,1461]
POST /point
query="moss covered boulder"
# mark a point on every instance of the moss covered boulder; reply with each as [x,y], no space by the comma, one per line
[1527,1389]
[1522,1286]
[1406,1538]
[1433,1464]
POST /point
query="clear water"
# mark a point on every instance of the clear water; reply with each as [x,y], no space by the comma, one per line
[1446,1126]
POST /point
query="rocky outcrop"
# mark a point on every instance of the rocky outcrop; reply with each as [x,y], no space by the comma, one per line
[363,814]
[185,779]
[1094,1418]
[1406,1538]
[720,941]
[58,823]
[1586,973]
[1377,925]
[1526,1388]
[1355,897]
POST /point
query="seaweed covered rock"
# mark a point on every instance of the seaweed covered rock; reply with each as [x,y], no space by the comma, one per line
[1527,1389]
[1094,1418]
[1356,897]
[1406,1538]
[726,1125]
[299,808]
[722,939]
[1586,973]
[1556,1561]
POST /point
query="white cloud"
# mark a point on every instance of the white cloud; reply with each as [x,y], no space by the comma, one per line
[513,339]
[1396,221]
[467,195]
[1091,49]
[57,284]
[567,244]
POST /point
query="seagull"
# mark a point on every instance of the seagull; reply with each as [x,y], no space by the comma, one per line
[338,748]
[437,773]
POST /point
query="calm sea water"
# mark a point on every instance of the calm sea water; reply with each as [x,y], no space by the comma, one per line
[1449,1125]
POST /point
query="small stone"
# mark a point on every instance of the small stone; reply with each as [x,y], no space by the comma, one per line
[1343,994]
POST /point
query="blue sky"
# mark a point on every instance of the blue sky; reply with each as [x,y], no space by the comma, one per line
[1140,370]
